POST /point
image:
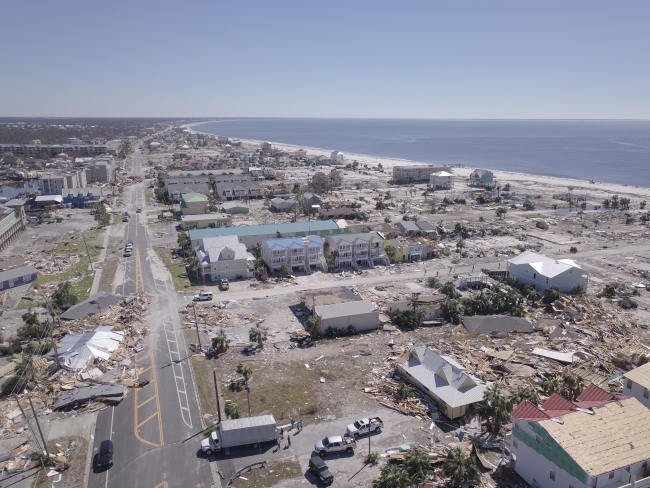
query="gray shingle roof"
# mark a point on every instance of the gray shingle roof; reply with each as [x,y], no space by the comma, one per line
[17,272]
[97,303]
[486,324]
[443,376]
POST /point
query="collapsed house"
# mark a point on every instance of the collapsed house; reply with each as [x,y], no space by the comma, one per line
[76,351]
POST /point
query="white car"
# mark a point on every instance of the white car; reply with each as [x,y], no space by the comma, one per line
[203,295]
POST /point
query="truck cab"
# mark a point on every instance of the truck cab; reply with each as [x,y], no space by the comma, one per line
[212,443]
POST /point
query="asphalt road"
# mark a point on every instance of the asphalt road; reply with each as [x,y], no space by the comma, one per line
[149,426]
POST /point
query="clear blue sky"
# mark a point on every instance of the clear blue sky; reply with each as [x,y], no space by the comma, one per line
[308,58]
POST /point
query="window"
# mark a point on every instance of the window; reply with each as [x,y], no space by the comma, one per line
[646,393]
[534,275]
[552,474]
[611,475]
[547,444]
[645,464]
[628,384]
[627,469]
[516,425]
[515,444]
[538,439]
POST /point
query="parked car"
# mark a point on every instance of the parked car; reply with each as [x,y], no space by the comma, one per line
[125,219]
[203,295]
[365,426]
[105,457]
[335,443]
[138,210]
[224,284]
[127,253]
[320,469]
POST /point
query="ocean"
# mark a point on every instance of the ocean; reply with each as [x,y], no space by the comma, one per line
[601,150]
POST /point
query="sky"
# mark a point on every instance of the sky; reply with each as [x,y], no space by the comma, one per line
[304,58]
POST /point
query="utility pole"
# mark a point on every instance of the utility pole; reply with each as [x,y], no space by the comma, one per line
[248,394]
[88,252]
[216,392]
[27,420]
[196,323]
[47,453]
[56,351]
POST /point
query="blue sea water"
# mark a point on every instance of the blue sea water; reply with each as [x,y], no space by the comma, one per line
[602,150]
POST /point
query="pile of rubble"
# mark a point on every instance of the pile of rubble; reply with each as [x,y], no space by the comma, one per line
[585,337]
[50,263]
[98,383]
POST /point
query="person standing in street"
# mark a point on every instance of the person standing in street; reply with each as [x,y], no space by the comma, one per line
[288,441]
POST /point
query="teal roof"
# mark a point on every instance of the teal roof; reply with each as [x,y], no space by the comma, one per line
[267,229]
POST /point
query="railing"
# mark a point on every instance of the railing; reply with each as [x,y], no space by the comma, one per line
[246,469]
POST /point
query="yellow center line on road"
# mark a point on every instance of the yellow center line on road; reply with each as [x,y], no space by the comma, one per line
[136,225]
[137,404]
[139,282]
[162,485]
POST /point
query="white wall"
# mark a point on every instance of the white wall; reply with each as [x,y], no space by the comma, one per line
[526,274]
[637,391]
[361,322]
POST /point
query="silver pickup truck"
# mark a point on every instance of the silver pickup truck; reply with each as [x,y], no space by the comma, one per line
[335,443]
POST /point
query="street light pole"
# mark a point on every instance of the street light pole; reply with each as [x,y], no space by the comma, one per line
[196,323]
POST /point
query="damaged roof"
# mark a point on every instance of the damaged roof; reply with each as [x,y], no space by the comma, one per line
[98,303]
[75,351]
[488,324]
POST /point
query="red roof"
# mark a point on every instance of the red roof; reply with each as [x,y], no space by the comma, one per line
[556,405]
[528,411]
[594,393]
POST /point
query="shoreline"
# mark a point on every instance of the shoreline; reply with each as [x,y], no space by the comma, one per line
[464,172]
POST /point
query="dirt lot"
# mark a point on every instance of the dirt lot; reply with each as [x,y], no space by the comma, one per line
[74,450]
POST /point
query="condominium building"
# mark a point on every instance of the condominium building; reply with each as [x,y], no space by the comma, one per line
[420,173]
[295,252]
[364,248]
[12,221]
[51,150]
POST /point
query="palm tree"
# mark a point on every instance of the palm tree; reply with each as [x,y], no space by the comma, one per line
[232,410]
[183,241]
[495,407]
[390,252]
[413,301]
[550,385]
[392,476]
[256,334]
[460,468]
[534,296]
[245,370]
[220,342]
[417,466]
[524,393]
[571,386]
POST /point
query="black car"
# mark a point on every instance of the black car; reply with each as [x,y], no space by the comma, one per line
[320,469]
[105,458]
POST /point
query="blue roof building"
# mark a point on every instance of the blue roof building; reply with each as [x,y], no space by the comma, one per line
[251,235]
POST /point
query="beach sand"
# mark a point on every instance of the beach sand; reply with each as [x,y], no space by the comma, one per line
[597,191]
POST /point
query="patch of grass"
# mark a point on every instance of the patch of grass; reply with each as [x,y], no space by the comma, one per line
[275,473]
[73,476]
[108,274]
[202,369]
[80,288]
[176,267]
[74,243]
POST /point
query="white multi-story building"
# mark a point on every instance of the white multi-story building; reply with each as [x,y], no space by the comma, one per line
[441,180]
[599,441]
[542,272]
[361,249]
[337,157]
[296,252]
[52,184]
[224,257]
[637,384]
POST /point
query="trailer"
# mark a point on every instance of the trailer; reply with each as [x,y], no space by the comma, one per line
[250,431]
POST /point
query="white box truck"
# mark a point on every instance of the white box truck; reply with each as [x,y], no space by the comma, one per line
[241,432]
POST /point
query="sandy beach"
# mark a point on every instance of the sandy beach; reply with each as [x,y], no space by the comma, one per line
[597,191]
